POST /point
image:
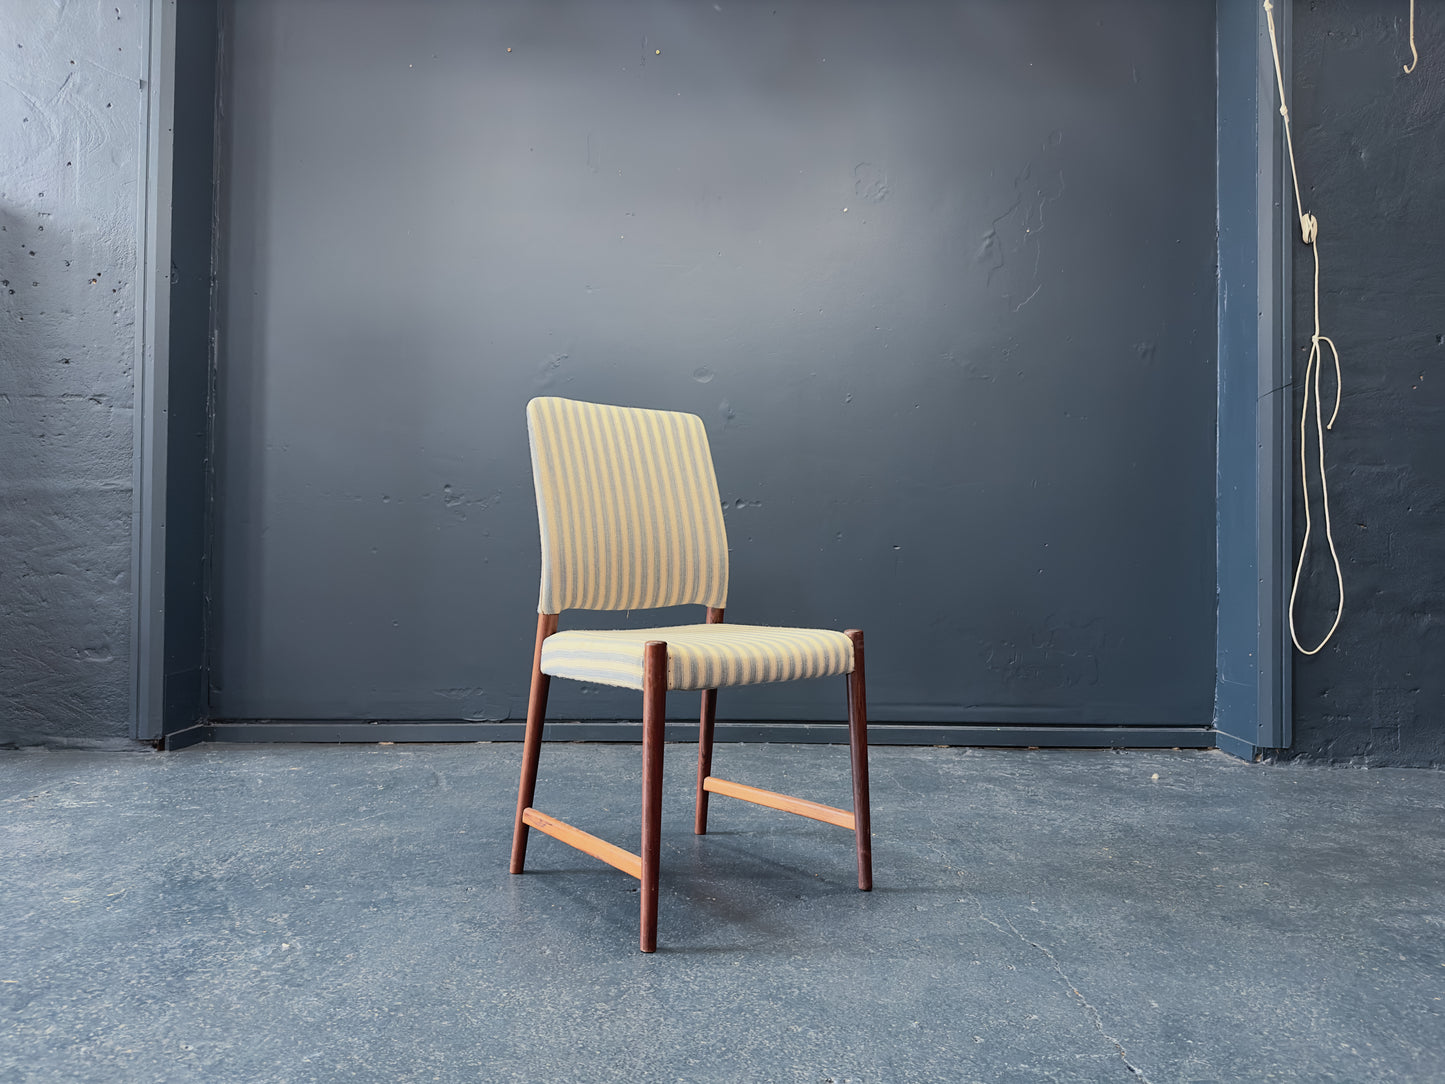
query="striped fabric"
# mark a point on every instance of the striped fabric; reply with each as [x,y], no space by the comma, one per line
[699,656]
[628,507]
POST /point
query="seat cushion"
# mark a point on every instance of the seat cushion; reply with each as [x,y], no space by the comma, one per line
[699,656]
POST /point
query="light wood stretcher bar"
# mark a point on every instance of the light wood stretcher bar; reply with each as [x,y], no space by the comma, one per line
[818,812]
[613,855]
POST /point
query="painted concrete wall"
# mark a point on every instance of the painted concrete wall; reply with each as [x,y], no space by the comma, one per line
[1371,150]
[70,98]
[939,277]
[1370,146]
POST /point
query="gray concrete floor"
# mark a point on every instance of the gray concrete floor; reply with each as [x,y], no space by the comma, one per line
[309,913]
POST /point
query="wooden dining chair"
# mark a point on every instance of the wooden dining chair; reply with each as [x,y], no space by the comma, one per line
[630,519]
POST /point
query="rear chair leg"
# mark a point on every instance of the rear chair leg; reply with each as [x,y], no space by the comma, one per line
[858,751]
[654,707]
[532,746]
[704,757]
[704,739]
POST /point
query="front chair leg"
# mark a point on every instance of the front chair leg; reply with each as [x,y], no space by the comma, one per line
[654,708]
[858,750]
[532,745]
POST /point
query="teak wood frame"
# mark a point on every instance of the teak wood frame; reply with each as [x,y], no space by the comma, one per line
[654,702]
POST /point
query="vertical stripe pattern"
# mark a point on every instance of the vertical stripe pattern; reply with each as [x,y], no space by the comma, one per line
[628,507]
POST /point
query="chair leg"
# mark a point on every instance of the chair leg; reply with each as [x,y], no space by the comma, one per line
[704,757]
[704,739]
[654,707]
[858,750]
[532,746]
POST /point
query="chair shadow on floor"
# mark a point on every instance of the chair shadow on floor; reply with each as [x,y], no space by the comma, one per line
[745,890]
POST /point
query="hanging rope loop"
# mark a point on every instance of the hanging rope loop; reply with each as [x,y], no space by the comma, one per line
[1414,55]
[1310,230]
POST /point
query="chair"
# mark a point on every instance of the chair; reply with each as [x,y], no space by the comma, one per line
[630,519]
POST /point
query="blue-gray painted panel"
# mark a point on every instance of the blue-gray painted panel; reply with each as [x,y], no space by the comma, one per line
[1251,662]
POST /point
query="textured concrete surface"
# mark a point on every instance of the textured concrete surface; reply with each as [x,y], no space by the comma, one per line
[319,913]
[1371,154]
[70,96]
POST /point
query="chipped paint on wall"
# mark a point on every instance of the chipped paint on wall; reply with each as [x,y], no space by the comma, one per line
[1372,154]
[70,95]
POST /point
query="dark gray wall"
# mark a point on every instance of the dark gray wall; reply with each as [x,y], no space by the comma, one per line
[1371,150]
[939,277]
[69,138]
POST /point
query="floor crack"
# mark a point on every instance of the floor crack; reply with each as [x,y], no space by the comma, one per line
[1069,984]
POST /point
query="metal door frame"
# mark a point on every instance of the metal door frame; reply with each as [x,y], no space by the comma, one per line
[152,373]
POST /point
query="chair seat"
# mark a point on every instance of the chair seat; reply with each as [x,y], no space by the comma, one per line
[699,656]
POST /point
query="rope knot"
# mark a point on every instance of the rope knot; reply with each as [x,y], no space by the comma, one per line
[1309,227]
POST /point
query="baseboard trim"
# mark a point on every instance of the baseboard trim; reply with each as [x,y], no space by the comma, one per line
[343,731]
[1236,747]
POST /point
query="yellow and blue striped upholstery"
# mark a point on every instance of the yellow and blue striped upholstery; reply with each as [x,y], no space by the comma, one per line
[699,656]
[628,507]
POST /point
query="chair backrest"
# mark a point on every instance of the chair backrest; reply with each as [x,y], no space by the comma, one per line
[628,507]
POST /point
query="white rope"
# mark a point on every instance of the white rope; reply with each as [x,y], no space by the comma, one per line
[1414,56]
[1309,230]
